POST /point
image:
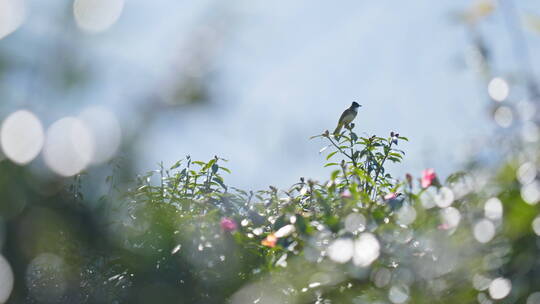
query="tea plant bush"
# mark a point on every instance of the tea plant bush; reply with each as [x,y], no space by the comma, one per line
[182,235]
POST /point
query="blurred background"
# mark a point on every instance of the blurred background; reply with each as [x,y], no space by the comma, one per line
[94,88]
[252,81]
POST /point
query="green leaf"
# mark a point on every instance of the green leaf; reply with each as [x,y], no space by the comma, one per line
[455,177]
[331,154]
[219,180]
[331,164]
[301,224]
[334,174]
[176,165]
[225,169]
[209,164]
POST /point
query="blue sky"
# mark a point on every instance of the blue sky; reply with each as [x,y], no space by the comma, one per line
[285,70]
[291,69]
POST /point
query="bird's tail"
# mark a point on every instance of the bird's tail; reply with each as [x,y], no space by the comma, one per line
[338,129]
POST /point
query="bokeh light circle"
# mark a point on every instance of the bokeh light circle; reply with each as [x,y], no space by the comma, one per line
[484,231]
[445,197]
[97,15]
[69,146]
[534,298]
[46,278]
[450,217]
[21,137]
[503,116]
[6,279]
[381,277]
[526,173]
[406,215]
[530,132]
[12,15]
[366,250]
[498,89]
[341,250]
[531,193]
[355,222]
[105,130]
[481,282]
[493,209]
[499,288]
[536,225]
[398,294]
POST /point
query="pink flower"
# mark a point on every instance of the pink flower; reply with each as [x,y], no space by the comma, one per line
[443,226]
[391,195]
[346,194]
[228,224]
[428,176]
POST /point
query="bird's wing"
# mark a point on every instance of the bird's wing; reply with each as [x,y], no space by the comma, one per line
[343,115]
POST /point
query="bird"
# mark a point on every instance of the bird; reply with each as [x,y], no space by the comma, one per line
[347,117]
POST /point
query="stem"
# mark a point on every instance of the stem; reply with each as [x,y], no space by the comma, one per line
[380,167]
[345,174]
[341,150]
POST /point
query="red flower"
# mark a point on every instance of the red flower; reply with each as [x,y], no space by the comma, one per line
[228,224]
[428,176]
[270,241]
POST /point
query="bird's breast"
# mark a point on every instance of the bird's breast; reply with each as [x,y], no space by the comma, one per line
[349,117]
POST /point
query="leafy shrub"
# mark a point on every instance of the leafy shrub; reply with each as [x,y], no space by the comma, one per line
[181,234]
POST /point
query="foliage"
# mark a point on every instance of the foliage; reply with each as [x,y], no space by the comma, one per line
[180,234]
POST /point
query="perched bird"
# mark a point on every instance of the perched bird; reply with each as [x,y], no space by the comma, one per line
[347,117]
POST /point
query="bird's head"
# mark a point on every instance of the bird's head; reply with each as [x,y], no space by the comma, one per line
[355,105]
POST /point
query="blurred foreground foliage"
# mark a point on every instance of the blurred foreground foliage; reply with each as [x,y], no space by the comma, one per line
[182,235]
